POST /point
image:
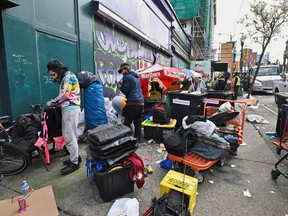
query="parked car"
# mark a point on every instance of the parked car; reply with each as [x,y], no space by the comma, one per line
[265,77]
[280,85]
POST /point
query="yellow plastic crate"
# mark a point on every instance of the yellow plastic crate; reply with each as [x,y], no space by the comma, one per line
[174,181]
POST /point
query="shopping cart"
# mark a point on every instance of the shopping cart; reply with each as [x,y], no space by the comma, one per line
[234,127]
[279,169]
[198,163]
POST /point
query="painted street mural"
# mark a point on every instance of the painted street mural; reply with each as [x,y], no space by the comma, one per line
[111,48]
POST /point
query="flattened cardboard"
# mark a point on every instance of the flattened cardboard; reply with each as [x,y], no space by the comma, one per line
[41,203]
[6,207]
[253,102]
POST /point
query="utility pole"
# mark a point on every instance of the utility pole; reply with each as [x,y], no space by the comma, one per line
[240,91]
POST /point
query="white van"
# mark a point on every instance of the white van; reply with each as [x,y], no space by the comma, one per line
[265,77]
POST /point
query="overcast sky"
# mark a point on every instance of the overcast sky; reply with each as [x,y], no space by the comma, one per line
[228,13]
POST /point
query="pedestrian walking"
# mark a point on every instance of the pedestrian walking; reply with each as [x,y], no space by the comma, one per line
[131,88]
[69,101]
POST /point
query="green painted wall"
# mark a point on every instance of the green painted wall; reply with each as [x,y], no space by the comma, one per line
[34,33]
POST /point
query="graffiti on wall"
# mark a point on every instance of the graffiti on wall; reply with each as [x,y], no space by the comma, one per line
[20,63]
[113,47]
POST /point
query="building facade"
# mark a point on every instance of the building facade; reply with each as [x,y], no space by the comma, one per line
[96,36]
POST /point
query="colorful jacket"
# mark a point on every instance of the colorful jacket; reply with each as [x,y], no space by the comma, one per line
[69,92]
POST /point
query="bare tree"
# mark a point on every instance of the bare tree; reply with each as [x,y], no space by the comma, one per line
[263,23]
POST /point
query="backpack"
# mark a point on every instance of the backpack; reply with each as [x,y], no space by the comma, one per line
[170,204]
[160,113]
[180,142]
[53,120]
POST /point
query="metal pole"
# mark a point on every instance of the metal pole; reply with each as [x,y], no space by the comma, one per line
[240,91]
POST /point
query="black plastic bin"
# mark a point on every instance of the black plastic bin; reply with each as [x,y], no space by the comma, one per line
[228,95]
[113,184]
[282,100]
[184,104]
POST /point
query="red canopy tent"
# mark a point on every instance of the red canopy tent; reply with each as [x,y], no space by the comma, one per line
[165,74]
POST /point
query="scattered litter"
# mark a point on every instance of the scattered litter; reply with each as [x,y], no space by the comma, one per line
[157,162]
[124,206]
[248,181]
[211,170]
[247,193]
[211,182]
[165,156]
[256,119]
[257,128]
[159,150]
[148,158]
[150,141]
[271,133]
[162,146]
[233,166]
[149,169]
[243,144]
[272,191]
[253,107]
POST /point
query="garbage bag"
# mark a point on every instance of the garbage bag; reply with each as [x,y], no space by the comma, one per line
[107,133]
[124,206]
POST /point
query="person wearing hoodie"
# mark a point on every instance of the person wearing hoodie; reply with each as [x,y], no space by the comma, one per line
[131,88]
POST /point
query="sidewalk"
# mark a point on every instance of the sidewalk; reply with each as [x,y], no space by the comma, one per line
[220,194]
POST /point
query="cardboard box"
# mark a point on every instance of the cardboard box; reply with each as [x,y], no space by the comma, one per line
[253,102]
[41,202]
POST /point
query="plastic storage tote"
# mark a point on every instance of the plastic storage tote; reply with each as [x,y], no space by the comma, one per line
[157,132]
[185,104]
[114,183]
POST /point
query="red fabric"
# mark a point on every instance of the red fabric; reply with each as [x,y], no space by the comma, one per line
[137,170]
[59,141]
[41,141]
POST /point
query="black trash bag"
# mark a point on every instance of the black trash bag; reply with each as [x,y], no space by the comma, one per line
[25,131]
[180,142]
[114,148]
[104,134]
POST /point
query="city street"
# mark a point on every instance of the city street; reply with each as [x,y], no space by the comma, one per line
[146,64]
[220,194]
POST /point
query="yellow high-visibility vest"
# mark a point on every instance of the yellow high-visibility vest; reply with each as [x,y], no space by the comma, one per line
[238,81]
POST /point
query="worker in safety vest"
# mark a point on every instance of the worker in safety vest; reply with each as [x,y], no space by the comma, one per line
[235,84]
[209,82]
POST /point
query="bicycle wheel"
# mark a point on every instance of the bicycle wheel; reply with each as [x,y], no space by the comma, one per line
[12,159]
